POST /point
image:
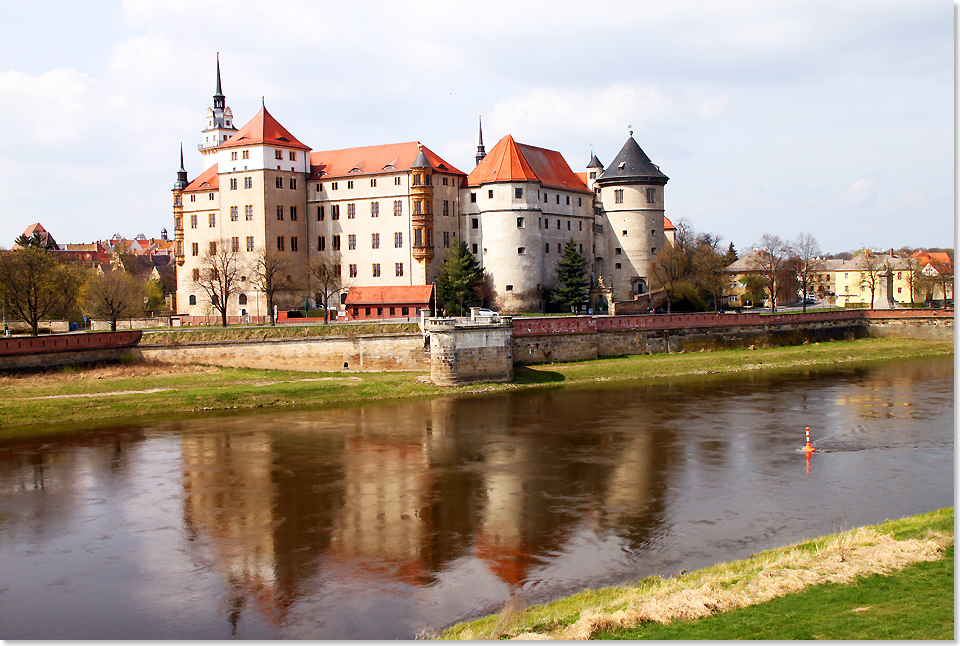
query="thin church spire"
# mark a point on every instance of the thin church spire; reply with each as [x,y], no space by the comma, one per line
[481,151]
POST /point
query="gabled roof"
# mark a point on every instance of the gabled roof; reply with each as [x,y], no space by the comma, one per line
[205,181]
[594,162]
[263,129]
[667,224]
[413,294]
[369,160]
[631,163]
[940,257]
[513,162]
[45,238]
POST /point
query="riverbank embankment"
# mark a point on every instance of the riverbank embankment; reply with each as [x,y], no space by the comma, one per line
[860,584]
[73,397]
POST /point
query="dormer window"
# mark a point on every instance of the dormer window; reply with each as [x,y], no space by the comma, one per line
[621,165]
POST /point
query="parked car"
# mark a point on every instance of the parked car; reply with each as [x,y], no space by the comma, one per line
[486,312]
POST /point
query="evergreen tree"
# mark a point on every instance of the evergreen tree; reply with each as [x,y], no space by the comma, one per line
[731,256]
[571,286]
[459,279]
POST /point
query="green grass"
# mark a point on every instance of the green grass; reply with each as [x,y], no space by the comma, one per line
[61,401]
[916,603]
[286,331]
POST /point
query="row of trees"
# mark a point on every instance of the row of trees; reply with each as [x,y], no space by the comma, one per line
[36,285]
[691,271]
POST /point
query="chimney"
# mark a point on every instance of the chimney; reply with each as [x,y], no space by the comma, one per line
[891,253]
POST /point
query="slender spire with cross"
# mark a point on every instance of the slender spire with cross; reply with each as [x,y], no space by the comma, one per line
[481,151]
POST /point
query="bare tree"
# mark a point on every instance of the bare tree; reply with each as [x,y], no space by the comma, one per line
[708,265]
[806,256]
[113,295]
[671,266]
[872,270]
[771,263]
[944,277]
[36,285]
[325,274]
[220,276]
[270,277]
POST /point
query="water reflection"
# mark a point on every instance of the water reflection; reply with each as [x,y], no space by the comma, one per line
[375,522]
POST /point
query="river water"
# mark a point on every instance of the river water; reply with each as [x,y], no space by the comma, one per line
[387,521]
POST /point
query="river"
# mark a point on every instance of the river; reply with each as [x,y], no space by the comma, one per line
[393,520]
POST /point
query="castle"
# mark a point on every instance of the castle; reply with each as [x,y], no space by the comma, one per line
[385,216]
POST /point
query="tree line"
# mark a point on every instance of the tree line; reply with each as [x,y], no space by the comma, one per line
[36,285]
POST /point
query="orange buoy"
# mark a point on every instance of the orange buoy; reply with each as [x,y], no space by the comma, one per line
[808,448]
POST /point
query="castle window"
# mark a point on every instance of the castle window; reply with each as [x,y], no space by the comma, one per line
[376,274]
[193,299]
[279,212]
[619,265]
[593,174]
[545,197]
[546,247]
[210,196]
[398,240]
[651,195]
[546,224]
[319,187]
[293,183]
[194,248]
[249,243]
[579,201]
[520,223]
[321,243]
[398,207]
[278,182]
[350,183]
[234,213]
[624,232]
[617,251]
[242,299]
[333,186]
[280,243]
[213,219]
[249,211]
[193,198]
[213,248]
[445,181]
[351,211]
[476,223]
[233,183]
[352,241]
[248,182]
[518,193]
[558,225]
[396,180]
[490,194]
[558,199]
[375,240]
[353,271]
[320,214]
[446,207]
[521,251]
[474,249]
[374,209]
[446,239]
[653,250]
[416,179]
[568,225]
[235,243]
[399,269]
[581,225]
[335,212]
[568,200]
[196,275]
[278,154]
[294,243]
[618,196]
[293,213]
[509,288]
[246,153]
[653,232]
[233,156]
[373,183]
[336,243]
[293,156]
[473,198]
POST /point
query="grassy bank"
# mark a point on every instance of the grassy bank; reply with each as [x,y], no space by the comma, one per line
[259,333]
[62,400]
[890,581]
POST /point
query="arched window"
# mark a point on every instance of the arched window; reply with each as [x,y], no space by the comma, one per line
[639,286]
[242,299]
[193,299]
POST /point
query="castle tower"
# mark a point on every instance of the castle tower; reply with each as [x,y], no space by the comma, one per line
[178,187]
[421,199]
[219,126]
[481,151]
[632,215]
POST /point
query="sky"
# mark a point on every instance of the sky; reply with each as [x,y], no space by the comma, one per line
[769,116]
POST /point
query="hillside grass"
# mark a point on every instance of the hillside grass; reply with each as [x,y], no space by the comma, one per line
[859,584]
[63,400]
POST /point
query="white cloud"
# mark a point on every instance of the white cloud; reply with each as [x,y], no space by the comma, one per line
[913,197]
[861,190]
[51,109]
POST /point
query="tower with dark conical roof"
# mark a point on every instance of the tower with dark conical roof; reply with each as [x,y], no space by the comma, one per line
[178,187]
[632,217]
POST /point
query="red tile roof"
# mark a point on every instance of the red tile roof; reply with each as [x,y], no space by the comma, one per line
[206,180]
[263,129]
[941,257]
[367,160]
[415,294]
[509,161]
[667,224]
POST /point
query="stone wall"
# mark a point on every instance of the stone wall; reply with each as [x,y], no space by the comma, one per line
[469,352]
[314,354]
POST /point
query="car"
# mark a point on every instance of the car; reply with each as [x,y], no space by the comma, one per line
[483,311]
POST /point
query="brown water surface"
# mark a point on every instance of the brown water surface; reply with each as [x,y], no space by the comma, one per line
[385,521]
